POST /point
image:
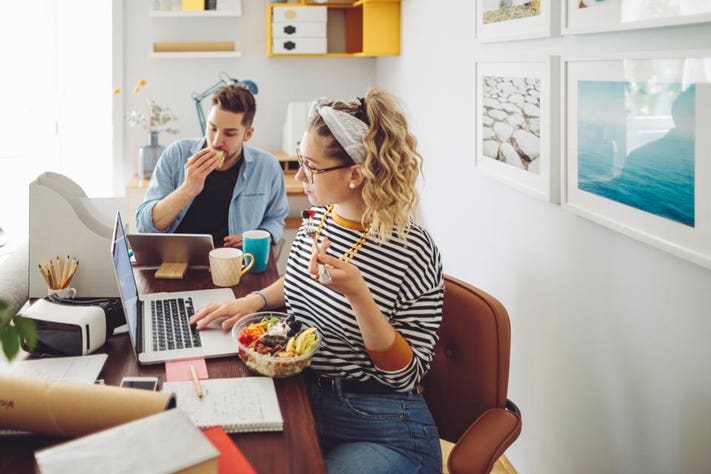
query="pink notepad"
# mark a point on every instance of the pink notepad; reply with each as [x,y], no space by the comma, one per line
[180,370]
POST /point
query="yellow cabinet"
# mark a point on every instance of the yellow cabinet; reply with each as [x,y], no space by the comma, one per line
[359,28]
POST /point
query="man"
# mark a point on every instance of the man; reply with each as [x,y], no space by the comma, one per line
[217,185]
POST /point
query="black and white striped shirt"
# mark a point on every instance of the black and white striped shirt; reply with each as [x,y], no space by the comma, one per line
[406,281]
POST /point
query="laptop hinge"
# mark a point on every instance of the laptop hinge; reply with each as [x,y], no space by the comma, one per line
[139,328]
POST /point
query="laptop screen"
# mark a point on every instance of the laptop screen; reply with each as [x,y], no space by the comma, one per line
[126,280]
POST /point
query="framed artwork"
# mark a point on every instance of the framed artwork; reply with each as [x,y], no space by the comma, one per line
[505,20]
[591,16]
[636,141]
[515,141]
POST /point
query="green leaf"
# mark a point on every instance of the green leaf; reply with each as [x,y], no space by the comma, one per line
[10,339]
[26,330]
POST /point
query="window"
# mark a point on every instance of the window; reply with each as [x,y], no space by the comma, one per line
[56,100]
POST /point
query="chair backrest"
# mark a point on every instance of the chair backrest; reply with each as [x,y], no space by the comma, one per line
[470,370]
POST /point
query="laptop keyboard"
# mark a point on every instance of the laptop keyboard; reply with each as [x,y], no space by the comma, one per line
[169,319]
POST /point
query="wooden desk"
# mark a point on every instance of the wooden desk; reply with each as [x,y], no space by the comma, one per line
[294,450]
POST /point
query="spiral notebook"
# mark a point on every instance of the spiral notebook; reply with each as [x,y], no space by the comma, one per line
[238,405]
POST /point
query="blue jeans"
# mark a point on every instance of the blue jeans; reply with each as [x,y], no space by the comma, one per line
[376,433]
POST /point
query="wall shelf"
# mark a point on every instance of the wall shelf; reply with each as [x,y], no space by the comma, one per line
[196,14]
[362,28]
[196,55]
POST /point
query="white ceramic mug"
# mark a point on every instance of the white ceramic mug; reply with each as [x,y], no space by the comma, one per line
[65,293]
[227,265]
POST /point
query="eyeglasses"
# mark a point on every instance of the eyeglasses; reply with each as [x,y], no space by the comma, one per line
[309,172]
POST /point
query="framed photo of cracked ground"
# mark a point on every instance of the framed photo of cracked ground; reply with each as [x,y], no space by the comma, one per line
[591,16]
[637,135]
[517,139]
[507,20]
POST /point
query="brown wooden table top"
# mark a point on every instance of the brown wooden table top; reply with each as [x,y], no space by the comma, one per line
[293,450]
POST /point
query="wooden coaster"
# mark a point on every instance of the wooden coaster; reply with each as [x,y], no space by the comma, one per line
[172,271]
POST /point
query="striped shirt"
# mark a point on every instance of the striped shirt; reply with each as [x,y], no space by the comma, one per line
[407,284]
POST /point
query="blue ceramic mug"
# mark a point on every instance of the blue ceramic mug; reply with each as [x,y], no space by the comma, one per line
[257,242]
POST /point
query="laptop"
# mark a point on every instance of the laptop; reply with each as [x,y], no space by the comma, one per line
[158,323]
[155,249]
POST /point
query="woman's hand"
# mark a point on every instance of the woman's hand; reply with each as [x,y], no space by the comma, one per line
[232,311]
[345,277]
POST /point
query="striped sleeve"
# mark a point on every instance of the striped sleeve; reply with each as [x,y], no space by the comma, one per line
[418,310]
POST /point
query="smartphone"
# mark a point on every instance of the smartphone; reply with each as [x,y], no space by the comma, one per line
[146,383]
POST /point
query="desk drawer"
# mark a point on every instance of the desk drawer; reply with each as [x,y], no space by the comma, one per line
[299,45]
[306,29]
[299,14]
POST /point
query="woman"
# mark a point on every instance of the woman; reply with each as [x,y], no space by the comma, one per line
[370,280]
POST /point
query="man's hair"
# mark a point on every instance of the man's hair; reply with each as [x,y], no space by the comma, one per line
[237,99]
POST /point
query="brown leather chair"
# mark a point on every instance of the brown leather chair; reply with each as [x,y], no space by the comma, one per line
[466,386]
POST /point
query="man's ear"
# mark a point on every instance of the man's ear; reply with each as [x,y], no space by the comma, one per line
[248,134]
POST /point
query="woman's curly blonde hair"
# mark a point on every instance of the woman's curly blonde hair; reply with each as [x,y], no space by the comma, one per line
[391,166]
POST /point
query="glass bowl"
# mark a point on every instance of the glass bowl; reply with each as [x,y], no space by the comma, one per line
[277,366]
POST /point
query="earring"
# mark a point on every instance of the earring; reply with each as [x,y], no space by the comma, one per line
[352,185]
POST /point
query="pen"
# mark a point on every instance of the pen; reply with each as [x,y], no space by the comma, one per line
[198,387]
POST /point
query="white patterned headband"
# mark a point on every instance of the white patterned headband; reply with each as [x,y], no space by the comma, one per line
[347,129]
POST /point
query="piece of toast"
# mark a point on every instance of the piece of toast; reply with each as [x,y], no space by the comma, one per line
[220,159]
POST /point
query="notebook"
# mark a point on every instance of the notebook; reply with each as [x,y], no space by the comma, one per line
[158,323]
[164,442]
[231,459]
[238,405]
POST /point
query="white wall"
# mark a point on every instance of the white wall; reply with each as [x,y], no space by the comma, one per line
[611,337]
[171,81]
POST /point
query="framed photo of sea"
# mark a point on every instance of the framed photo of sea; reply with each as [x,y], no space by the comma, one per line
[515,140]
[506,20]
[636,141]
[591,16]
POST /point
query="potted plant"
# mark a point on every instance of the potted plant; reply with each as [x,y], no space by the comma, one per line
[15,330]
[153,118]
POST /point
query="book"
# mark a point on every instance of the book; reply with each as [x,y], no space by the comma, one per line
[231,458]
[238,404]
[165,442]
[183,46]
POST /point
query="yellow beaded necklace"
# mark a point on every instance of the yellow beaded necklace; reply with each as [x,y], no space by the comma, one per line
[349,254]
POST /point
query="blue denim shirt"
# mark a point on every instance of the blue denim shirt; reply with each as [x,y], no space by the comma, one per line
[258,200]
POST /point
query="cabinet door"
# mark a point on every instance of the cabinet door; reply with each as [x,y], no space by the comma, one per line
[381,28]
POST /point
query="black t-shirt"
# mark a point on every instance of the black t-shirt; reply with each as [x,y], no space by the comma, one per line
[208,214]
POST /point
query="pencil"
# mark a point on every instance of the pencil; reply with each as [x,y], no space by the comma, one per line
[65,273]
[72,270]
[57,265]
[44,274]
[48,269]
[198,387]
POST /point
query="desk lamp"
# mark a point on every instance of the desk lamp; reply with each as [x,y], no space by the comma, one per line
[225,80]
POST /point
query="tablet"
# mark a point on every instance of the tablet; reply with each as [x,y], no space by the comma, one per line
[154,249]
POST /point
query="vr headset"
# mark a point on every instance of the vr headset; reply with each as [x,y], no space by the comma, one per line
[73,327]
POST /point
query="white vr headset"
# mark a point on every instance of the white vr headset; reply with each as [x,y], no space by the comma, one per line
[69,327]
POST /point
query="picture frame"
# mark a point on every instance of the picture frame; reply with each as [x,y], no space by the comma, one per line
[592,16]
[509,20]
[517,136]
[635,140]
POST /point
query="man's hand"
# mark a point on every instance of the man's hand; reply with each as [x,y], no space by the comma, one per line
[233,240]
[197,167]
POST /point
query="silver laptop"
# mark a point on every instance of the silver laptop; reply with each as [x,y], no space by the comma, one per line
[154,249]
[158,323]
